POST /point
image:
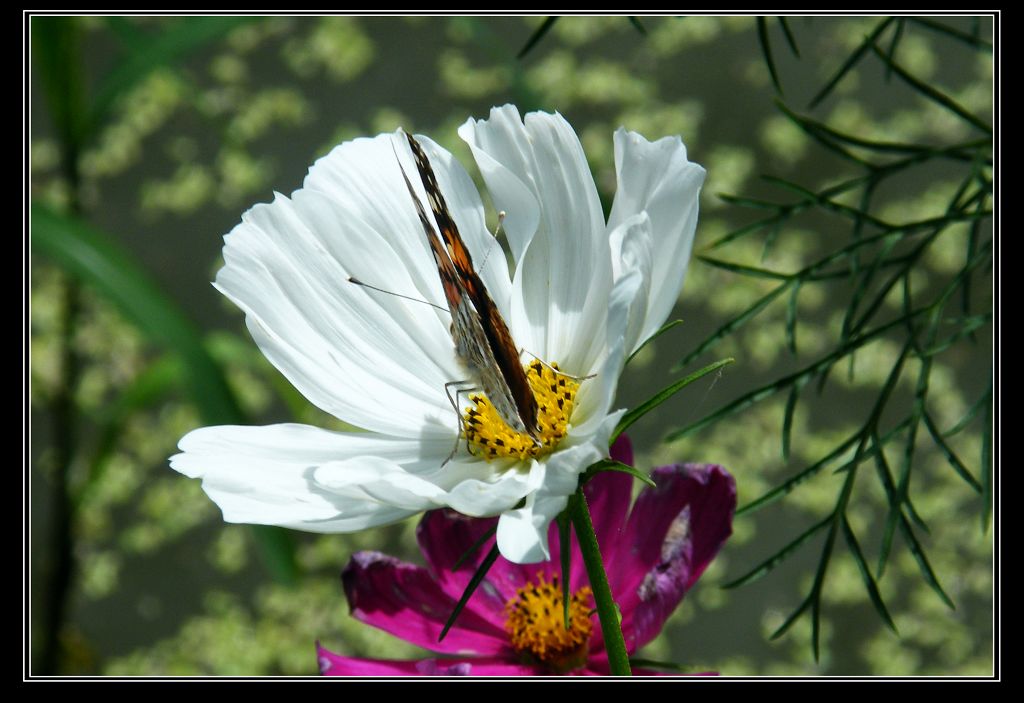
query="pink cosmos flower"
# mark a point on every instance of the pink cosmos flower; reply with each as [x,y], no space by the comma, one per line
[513,624]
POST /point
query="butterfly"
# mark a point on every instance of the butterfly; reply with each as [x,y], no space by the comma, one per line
[483,342]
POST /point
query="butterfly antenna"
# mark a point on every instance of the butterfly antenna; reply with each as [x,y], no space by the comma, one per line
[353,279]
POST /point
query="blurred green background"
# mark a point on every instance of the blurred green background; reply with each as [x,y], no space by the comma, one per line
[150,137]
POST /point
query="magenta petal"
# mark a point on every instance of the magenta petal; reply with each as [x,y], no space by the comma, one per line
[332,664]
[445,535]
[608,496]
[675,530]
[408,602]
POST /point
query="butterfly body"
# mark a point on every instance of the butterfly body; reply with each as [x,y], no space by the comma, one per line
[482,340]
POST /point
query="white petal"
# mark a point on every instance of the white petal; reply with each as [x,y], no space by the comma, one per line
[321,481]
[563,271]
[656,177]
[522,535]
[596,395]
[375,360]
[632,253]
[346,351]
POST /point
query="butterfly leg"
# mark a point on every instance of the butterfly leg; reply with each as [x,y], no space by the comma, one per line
[460,387]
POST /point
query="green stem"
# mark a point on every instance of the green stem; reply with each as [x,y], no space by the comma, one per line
[607,611]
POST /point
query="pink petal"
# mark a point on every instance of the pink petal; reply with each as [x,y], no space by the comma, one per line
[674,531]
[608,496]
[408,602]
[332,664]
[445,536]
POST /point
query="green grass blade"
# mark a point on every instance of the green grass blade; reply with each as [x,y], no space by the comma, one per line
[94,258]
[664,394]
[478,577]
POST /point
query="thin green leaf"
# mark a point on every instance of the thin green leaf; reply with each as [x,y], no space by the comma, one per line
[93,257]
[127,32]
[766,566]
[565,549]
[896,500]
[933,94]
[791,310]
[980,404]
[793,617]
[480,541]
[766,51]
[668,666]
[951,457]
[635,21]
[537,36]
[748,202]
[770,239]
[770,389]
[922,562]
[733,324]
[787,419]
[986,464]
[894,44]
[786,487]
[664,328]
[919,150]
[150,386]
[56,49]
[183,37]
[969,39]
[851,61]
[478,577]
[612,465]
[789,37]
[745,270]
[747,229]
[664,394]
[869,581]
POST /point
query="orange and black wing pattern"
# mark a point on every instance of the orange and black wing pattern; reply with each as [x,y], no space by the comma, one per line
[498,337]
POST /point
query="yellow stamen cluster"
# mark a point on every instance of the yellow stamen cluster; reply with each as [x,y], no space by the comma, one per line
[536,625]
[489,436]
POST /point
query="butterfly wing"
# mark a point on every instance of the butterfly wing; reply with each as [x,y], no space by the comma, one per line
[501,373]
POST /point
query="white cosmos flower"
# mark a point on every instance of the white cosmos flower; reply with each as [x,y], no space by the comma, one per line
[581,293]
